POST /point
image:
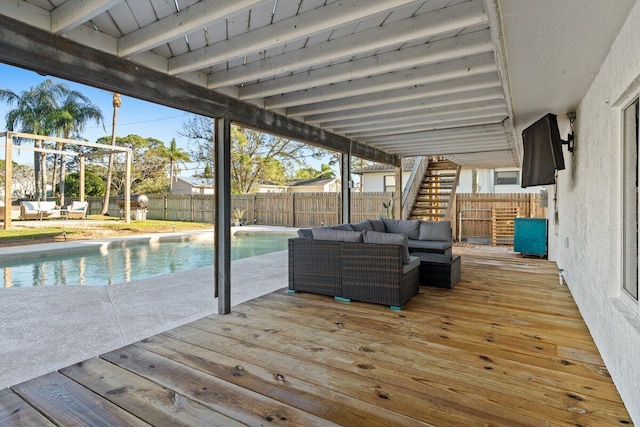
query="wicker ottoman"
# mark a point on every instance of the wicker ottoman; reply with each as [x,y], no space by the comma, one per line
[441,271]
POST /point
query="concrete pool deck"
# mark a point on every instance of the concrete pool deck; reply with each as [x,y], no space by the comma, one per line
[46,328]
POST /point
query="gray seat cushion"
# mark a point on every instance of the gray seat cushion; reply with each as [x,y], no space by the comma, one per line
[377,225]
[388,239]
[415,262]
[345,227]
[410,227]
[305,234]
[435,230]
[362,226]
[434,245]
[336,235]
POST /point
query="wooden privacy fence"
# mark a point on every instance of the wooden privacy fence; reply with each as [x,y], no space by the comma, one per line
[475,217]
[472,221]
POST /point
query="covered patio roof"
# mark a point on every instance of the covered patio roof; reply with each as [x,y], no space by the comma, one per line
[379,79]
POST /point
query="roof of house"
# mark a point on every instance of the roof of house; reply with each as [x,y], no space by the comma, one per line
[407,165]
[311,182]
[195,181]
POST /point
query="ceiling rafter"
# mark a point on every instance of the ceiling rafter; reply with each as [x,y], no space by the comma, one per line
[415,28]
[388,126]
[396,80]
[445,87]
[427,102]
[281,32]
[439,51]
[199,15]
[74,13]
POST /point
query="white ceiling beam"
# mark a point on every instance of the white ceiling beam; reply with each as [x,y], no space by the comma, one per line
[416,120]
[345,117]
[403,79]
[469,130]
[446,87]
[431,150]
[73,13]
[197,16]
[27,13]
[398,137]
[450,19]
[431,53]
[408,143]
[300,26]
[397,133]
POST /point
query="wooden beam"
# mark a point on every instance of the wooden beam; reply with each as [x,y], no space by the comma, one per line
[41,51]
[222,235]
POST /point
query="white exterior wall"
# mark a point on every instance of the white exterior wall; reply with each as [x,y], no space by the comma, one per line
[374,181]
[586,238]
[486,183]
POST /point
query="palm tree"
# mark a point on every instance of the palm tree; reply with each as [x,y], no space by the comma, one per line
[73,115]
[34,113]
[117,102]
[176,156]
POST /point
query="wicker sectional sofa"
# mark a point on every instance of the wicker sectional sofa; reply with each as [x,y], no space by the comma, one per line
[367,261]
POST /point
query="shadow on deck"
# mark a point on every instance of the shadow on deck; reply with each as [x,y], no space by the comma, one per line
[507,347]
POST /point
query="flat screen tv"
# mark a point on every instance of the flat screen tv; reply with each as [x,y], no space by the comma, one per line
[542,152]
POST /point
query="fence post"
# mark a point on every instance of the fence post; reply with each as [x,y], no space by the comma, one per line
[191,208]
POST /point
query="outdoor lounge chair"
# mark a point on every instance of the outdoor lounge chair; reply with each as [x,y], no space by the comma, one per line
[77,210]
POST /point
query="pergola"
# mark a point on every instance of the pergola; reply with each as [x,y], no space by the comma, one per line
[104,150]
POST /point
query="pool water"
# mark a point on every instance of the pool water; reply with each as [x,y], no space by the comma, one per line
[122,264]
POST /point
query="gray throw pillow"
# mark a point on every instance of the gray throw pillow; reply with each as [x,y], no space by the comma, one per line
[435,230]
[361,226]
[336,235]
[377,225]
[388,239]
[305,234]
[409,227]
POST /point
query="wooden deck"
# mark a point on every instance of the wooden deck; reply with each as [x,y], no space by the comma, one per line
[506,347]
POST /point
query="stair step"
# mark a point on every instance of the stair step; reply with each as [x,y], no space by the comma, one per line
[425,193]
[427,215]
[432,199]
[451,174]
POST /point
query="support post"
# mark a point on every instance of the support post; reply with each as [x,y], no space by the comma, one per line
[345,176]
[81,173]
[8,179]
[397,195]
[222,235]
[127,189]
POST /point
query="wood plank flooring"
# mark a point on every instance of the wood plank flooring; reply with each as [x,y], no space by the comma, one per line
[505,347]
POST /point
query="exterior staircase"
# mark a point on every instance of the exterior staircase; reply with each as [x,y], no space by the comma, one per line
[436,192]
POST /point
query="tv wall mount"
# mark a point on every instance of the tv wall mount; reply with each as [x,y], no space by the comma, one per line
[570,139]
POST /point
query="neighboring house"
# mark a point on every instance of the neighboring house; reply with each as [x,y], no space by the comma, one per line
[502,180]
[313,185]
[193,185]
[379,177]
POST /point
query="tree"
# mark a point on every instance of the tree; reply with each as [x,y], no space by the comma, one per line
[255,157]
[117,102]
[72,116]
[34,113]
[176,156]
[310,173]
[94,185]
[148,166]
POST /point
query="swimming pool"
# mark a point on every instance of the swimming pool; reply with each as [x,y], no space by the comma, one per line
[129,260]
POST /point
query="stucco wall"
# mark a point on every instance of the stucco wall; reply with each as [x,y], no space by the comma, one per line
[486,183]
[374,181]
[586,236]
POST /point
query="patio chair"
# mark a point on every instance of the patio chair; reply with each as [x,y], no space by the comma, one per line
[77,210]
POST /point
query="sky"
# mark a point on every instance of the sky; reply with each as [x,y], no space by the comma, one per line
[134,116]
